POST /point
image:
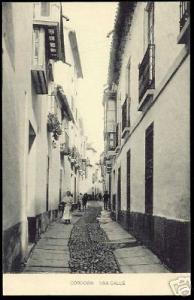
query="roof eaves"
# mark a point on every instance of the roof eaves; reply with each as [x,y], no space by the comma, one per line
[124,16]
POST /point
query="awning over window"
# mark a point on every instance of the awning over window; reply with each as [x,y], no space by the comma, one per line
[65,105]
[74,46]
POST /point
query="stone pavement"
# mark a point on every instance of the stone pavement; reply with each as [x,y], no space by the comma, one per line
[51,253]
[131,256]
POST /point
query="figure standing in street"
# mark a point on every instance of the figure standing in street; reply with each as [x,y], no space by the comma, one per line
[100,196]
[67,215]
[79,201]
[106,198]
[84,201]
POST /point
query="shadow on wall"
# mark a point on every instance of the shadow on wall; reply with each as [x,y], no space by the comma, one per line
[168,239]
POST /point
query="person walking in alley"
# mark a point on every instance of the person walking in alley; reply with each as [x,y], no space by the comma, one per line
[67,215]
[100,196]
[106,198]
[84,201]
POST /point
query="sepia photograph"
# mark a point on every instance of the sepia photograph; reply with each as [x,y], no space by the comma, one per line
[96,148]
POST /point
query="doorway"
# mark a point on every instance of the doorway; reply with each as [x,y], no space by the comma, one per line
[47,185]
[149,170]
[60,186]
[128,180]
[119,190]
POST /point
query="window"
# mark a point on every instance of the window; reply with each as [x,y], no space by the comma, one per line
[184,23]
[111,140]
[124,115]
[38,47]
[184,13]
[149,169]
[128,79]
[45,9]
[147,65]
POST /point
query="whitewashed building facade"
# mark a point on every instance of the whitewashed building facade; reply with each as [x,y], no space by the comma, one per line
[149,164]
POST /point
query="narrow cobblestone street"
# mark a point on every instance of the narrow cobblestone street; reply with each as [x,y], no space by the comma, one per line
[93,243]
[89,250]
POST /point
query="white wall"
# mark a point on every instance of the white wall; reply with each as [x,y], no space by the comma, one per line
[170,114]
[166,30]
[16,94]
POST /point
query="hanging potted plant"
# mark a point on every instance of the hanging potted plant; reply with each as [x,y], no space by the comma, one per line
[54,126]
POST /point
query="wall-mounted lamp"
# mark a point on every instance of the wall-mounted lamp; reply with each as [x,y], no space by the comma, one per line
[109,33]
[66,18]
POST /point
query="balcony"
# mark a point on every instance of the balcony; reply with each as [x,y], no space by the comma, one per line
[48,16]
[112,95]
[64,149]
[147,77]
[108,170]
[125,118]
[38,69]
[183,37]
[65,104]
[110,143]
[40,79]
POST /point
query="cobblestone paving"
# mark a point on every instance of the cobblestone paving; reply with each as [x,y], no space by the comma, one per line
[89,252]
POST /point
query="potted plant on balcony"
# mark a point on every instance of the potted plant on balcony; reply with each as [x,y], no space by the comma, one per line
[54,126]
[64,149]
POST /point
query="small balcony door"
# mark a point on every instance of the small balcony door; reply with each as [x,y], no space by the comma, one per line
[119,190]
[149,170]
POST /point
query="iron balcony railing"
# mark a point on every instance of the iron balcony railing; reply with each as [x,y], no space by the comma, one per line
[147,71]
[184,13]
[124,115]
